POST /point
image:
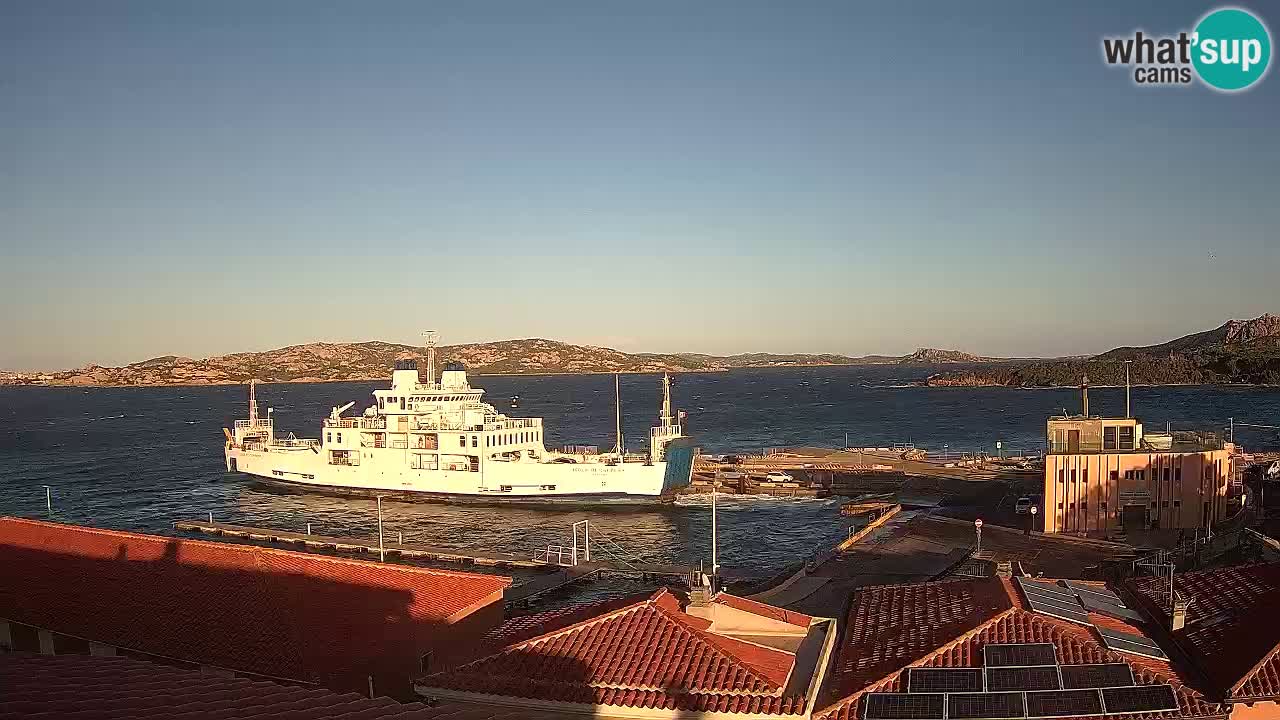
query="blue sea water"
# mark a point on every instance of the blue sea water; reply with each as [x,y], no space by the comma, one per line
[141,458]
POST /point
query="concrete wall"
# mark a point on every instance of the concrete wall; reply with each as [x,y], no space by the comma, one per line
[1257,711]
[1089,492]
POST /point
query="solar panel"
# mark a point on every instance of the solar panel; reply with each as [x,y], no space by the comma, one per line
[903,706]
[944,680]
[1063,703]
[1096,676]
[1020,655]
[1059,609]
[1139,698]
[1044,677]
[1096,604]
[1100,591]
[1046,588]
[1133,644]
[985,706]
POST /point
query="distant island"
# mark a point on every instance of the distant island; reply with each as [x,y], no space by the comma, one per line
[1239,351]
[333,362]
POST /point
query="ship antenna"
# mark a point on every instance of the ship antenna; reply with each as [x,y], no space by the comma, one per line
[666,418]
[253,403]
[617,404]
[430,336]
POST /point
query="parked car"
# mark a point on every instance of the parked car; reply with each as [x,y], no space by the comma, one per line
[778,477]
[1023,507]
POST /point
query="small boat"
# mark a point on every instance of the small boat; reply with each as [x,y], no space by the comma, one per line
[515,401]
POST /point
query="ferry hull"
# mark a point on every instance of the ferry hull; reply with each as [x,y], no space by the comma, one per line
[492,482]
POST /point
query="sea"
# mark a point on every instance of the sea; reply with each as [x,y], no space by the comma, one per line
[142,458]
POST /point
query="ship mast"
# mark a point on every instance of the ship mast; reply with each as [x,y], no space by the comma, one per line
[617,404]
[430,336]
[253,403]
[665,418]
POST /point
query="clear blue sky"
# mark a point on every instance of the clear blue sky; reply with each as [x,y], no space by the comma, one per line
[201,178]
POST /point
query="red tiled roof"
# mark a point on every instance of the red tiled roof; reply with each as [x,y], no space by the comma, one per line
[891,626]
[520,628]
[49,687]
[272,612]
[647,654]
[1231,632]
[963,647]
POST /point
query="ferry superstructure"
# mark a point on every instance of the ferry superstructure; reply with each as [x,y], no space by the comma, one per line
[428,437]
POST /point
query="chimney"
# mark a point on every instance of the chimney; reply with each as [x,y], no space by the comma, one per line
[1179,614]
[1084,395]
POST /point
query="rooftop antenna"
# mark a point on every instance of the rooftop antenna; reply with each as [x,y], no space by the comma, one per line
[1084,395]
[430,337]
[617,404]
[253,402]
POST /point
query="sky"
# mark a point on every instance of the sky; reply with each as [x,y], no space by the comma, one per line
[720,177]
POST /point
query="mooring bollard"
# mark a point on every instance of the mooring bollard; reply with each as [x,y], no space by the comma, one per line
[400,535]
[308,528]
[210,517]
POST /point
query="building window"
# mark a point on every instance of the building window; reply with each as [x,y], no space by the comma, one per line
[1128,474]
[1164,503]
[1084,506]
[1059,506]
[1177,474]
[1073,475]
[1109,437]
[1062,475]
[1104,507]
[1167,474]
[1084,476]
[1177,503]
[1115,474]
[1126,437]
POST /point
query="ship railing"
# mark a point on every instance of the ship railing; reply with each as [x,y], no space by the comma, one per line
[342,423]
[253,424]
[297,442]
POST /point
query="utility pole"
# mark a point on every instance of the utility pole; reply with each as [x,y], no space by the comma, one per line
[48,499]
[715,565]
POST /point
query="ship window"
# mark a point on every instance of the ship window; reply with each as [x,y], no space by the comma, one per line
[504,488]
[328,437]
[339,437]
[462,441]
[382,403]
[548,487]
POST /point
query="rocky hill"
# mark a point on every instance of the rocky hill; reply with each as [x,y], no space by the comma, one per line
[318,362]
[1240,351]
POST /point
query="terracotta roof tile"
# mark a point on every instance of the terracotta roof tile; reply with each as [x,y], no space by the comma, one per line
[647,654]
[272,612]
[960,634]
[1231,632]
[80,687]
[891,626]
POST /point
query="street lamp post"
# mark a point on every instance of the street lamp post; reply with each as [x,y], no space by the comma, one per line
[382,553]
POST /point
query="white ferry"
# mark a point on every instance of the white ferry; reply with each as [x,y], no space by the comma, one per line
[424,437]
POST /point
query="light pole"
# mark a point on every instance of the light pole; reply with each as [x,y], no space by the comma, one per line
[382,553]
[715,565]
[48,499]
[1128,413]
